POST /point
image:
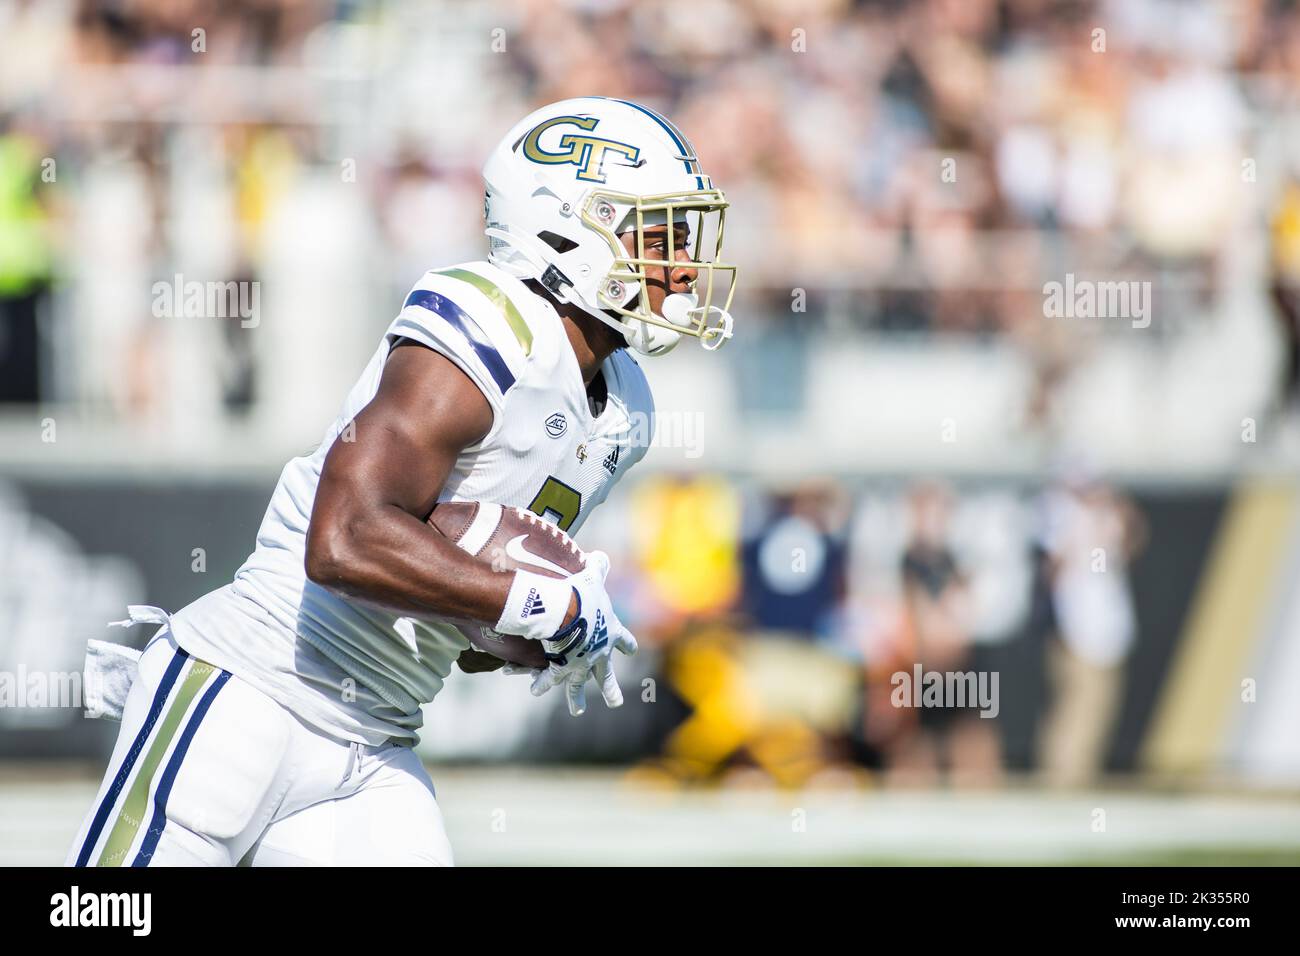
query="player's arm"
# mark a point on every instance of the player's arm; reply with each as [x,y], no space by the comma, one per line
[368,538]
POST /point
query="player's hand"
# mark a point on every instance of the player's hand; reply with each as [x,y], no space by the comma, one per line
[520,670]
[584,647]
[577,646]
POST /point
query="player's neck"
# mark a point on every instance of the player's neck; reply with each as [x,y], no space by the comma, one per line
[592,340]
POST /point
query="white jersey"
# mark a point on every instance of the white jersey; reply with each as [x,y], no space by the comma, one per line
[359,672]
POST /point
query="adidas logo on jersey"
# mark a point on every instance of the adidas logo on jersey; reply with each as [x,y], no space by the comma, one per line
[611,461]
[533,604]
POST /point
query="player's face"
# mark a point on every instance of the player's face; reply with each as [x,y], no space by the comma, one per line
[662,281]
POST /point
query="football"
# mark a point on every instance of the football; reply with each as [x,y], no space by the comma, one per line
[508,539]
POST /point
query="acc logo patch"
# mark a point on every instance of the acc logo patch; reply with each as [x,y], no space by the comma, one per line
[557,425]
[585,152]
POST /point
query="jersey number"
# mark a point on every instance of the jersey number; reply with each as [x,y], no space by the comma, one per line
[558,499]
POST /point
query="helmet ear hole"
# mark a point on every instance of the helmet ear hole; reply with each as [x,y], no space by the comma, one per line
[557,242]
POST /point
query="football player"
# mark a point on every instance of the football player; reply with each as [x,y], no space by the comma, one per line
[272,720]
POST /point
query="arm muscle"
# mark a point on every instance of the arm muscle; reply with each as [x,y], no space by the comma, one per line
[368,538]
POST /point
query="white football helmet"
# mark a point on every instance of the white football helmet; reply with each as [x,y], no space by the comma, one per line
[570,178]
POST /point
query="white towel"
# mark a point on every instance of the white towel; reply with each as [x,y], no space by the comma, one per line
[110,672]
[111,668]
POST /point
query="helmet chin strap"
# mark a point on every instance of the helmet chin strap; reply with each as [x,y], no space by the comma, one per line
[651,339]
[646,337]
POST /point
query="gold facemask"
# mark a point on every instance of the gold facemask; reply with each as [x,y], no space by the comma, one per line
[704,212]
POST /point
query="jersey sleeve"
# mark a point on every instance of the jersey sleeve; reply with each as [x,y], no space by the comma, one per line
[453,317]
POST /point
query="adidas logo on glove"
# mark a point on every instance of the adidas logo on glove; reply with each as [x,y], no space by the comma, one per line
[533,604]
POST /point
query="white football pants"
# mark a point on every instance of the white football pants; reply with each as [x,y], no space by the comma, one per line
[208,771]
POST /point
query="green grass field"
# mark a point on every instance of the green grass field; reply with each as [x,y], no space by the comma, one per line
[531,816]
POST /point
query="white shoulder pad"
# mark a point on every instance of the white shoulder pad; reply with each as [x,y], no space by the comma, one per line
[465,313]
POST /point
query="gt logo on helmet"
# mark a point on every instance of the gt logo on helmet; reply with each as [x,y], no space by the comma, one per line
[585,152]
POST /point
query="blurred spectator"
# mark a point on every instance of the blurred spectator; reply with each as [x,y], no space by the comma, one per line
[685,539]
[794,560]
[760,697]
[1284,288]
[25,266]
[921,743]
[1091,534]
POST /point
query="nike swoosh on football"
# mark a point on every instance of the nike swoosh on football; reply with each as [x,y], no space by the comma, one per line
[515,549]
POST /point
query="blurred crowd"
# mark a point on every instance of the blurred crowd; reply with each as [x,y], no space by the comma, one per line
[792,624]
[909,167]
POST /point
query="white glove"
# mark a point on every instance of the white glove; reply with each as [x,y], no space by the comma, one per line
[537,607]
